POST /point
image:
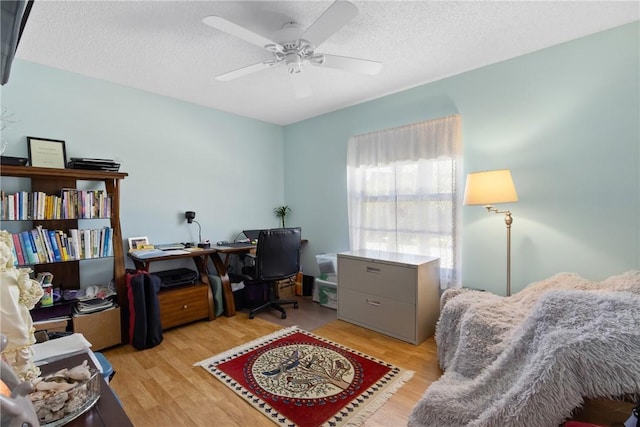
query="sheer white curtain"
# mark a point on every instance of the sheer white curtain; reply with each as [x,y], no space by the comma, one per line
[402,190]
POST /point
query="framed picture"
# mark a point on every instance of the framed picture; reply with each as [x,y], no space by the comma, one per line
[47,153]
[137,242]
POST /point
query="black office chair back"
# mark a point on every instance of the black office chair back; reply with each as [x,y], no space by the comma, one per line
[278,253]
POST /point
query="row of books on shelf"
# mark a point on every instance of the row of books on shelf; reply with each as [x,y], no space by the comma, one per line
[70,204]
[40,245]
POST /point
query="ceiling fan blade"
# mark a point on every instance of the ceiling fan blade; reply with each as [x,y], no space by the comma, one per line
[241,32]
[240,72]
[357,65]
[334,18]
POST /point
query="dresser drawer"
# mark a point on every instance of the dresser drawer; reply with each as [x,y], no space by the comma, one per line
[388,316]
[391,281]
[183,305]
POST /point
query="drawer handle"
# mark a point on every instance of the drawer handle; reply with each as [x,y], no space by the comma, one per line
[373,270]
[373,302]
[184,307]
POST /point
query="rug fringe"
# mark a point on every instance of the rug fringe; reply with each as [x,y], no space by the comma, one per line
[246,346]
[380,401]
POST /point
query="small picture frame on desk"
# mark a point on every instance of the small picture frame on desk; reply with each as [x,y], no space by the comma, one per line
[47,153]
[138,242]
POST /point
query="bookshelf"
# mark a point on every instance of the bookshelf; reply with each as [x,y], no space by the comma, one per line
[53,182]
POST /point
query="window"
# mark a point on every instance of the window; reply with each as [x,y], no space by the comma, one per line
[402,192]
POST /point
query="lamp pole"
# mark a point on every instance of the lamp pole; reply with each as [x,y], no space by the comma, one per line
[508,220]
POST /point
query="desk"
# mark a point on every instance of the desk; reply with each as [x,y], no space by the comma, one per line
[107,411]
[219,255]
[222,268]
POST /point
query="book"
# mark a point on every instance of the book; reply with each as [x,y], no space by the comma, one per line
[86,244]
[61,238]
[75,243]
[42,257]
[95,240]
[29,247]
[11,208]
[23,248]
[108,248]
[18,248]
[19,209]
[24,201]
[54,246]
[44,235]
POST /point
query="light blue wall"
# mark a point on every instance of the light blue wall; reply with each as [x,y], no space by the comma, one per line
[565,120]
[179,156]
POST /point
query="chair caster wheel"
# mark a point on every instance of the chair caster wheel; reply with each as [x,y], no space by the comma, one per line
[283,316]
[295,306]
[251,315]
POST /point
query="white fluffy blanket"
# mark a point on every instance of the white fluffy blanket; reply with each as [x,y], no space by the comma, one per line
[530,359]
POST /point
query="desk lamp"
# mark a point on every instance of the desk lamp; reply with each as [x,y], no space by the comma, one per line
[488,188]
[191,217]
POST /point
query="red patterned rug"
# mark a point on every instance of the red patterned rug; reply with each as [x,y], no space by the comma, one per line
[296,378]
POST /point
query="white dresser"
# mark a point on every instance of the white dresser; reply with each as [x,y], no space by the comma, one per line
[392,293]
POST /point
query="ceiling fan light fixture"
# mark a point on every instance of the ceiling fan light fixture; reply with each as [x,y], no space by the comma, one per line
[293,60]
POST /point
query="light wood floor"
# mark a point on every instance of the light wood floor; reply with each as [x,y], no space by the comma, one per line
[160,387]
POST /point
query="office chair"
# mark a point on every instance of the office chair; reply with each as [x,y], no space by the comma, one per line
[277,258]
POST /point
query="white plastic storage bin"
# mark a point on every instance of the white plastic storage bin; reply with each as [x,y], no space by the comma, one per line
[328,273]
[327,265]
[327,293]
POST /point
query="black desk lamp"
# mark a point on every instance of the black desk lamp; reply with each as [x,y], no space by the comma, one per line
[190,216]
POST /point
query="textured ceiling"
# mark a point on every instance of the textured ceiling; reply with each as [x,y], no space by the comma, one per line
[163,47]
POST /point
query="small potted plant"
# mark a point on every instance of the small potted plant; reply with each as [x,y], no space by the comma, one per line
[281,212]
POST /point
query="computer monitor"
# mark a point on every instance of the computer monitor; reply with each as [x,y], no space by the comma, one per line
[251,234]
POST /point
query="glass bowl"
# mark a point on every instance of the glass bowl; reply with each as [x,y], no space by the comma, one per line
[57,408]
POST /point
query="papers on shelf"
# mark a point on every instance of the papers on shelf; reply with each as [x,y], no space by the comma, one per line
[51,319]
[93,305]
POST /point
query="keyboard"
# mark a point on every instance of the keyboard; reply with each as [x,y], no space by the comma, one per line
[237,244]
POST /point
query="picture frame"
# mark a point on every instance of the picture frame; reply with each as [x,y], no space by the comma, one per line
[47,153]
[137,242]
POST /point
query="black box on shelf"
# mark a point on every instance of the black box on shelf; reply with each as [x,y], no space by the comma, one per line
[13,161]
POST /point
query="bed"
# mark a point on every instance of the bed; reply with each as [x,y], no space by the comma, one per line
[530,359]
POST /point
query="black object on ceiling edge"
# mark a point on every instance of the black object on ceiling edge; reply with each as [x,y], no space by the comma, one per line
[13,20]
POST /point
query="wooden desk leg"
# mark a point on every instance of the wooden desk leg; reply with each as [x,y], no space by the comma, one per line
[201,265]
[142,266]
[227,292]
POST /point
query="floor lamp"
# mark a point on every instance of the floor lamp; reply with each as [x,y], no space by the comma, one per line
[492,187]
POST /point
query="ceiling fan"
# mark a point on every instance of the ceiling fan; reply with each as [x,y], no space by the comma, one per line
[296,51]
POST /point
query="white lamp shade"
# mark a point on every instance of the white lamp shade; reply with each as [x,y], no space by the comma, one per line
[490,187]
